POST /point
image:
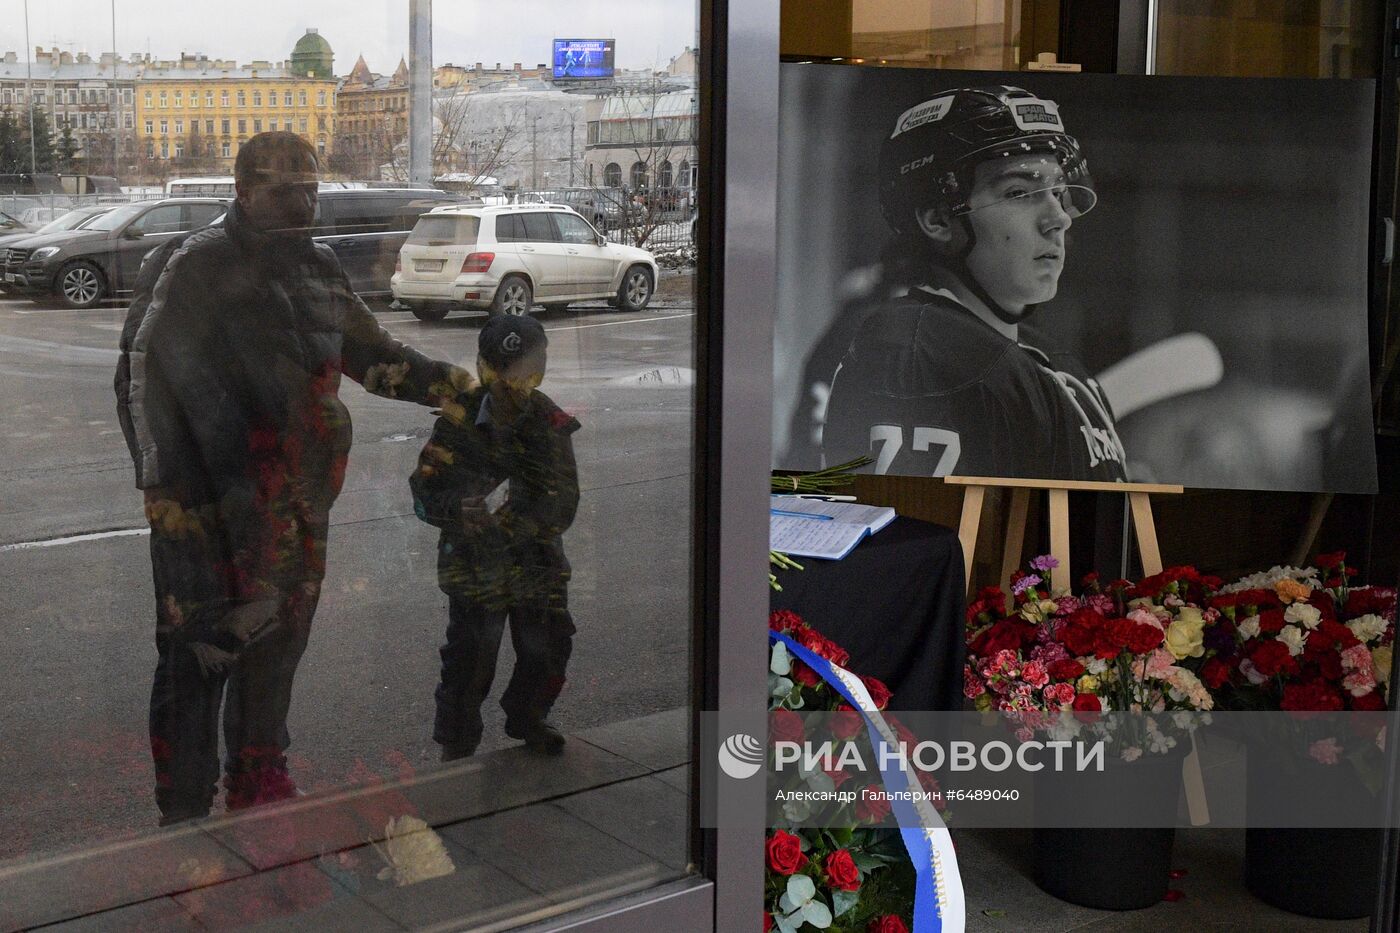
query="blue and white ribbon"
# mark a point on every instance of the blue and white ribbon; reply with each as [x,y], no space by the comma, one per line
[939,904]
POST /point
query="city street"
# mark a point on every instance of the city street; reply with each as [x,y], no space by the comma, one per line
[77,606]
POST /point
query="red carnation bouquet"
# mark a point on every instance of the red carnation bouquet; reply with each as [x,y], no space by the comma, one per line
[1038,655]
[1302,640]
[852,876]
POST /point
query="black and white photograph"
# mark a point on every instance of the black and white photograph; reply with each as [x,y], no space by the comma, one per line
[1075,277]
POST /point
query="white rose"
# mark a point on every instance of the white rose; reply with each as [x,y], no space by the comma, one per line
[1294,638]
[1249,628]
[1302,614]
[1367,627]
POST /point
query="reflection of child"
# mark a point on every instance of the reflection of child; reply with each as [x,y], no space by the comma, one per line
[498,477]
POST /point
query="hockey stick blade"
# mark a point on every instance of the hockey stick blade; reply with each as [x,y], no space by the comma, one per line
[1168,368]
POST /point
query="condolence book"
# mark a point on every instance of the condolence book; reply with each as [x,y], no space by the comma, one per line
[817,528]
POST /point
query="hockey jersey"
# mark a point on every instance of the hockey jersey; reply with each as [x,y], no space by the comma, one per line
[927,389]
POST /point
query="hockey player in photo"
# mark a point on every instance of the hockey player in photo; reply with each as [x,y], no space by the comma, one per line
[980,186]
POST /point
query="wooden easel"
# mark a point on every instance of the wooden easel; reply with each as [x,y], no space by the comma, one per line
[1062,577]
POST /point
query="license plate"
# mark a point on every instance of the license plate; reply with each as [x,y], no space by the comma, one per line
[427,265]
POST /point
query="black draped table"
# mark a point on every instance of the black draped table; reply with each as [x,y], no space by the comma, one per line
[896,603]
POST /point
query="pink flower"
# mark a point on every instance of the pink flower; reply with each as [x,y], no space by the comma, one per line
[1049,653]
[972,684]
[1034,674]
[1325,751]
[1065,605]
[1143,617]
[1101,603]
[1356,658]
[1160,663]
[1024,734]
[1045,562]
[1025,583]
[1059,696]
[1359,683]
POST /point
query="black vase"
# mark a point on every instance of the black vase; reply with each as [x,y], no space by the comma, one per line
[1103,865]
[1330,873]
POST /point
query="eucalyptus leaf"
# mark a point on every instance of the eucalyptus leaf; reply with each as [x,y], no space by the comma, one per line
[868,862]
[797,810]
[780,663]
[785,924]
[843,901]
[820,782]
[779,686]
[786,905]
[800,888]
[817,914]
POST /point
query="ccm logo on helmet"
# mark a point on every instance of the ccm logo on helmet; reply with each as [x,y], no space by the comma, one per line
[908,167]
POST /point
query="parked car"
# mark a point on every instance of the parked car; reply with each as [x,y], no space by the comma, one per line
[605,208]
[367,226]
[100,260]
[12,224]
[506,258]
[67,221]
[37,217]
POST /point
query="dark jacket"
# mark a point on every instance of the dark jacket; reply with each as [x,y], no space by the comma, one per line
[516,557]
[234,373]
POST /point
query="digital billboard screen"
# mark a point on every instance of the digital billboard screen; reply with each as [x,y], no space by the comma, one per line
[583,58]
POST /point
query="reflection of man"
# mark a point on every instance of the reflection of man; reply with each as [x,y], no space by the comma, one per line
[980,186]
[242,444]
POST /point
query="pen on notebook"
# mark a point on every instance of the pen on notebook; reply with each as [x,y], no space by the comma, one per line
[824,498]
[820,518]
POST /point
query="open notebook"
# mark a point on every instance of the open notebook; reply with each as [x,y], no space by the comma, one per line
[814,528]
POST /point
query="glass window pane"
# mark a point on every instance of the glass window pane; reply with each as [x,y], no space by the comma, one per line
[1238,38]
[350,615]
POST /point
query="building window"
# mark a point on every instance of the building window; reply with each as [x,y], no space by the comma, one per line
[287,99]
[665,179]
[301,98]
[126,95]
[150,127]
[303,124]
[223,98]
[612,175]
[257,124]
[638,175]
[179,98]
[164,102]
[225,150]
[321,147]
[225,127]
[321,122]
[194,99]
[272,125]
[257,98]
[320,98]
[209,128]
[209,101]
[165,150]
[165,127]
[179,126]
[242,127]
[209,148]
[179,150]
[242,98]
[150,150]
[128,120]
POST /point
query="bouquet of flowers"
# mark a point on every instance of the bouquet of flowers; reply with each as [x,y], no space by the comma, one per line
[850,876]
[1054,661]
[1302,640]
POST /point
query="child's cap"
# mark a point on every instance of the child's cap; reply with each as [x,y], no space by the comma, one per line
[506,338]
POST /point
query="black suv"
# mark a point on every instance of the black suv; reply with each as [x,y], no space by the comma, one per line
[101,259]
[366,226]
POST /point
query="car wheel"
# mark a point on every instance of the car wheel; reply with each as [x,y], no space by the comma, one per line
[80,285]
[636,289]
[513,296]
[430,312]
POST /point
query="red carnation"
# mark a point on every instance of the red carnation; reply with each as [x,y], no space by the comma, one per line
[1370,600]
[1087,707]
[782,620]
[767,921]
[1143,638]
[785,726]
[1271,657]
[841,872]
[1313,696]
[889,923]
[785,853]
[1271,621]
[1065,669]
[1368,703]
[1215,673]
[879,693]
[1078,630]
[1333,559]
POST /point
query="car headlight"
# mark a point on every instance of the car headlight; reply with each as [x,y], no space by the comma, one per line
[43,252]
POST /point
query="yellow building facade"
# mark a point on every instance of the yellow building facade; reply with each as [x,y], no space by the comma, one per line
[193,115]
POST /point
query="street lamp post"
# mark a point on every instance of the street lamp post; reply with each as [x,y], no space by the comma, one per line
[29,90]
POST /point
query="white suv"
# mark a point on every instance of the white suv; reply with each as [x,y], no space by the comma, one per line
[508,258]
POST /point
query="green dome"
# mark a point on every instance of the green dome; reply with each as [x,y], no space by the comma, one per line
[313,54]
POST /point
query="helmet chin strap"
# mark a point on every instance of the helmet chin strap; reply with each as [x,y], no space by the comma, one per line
[958,266]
